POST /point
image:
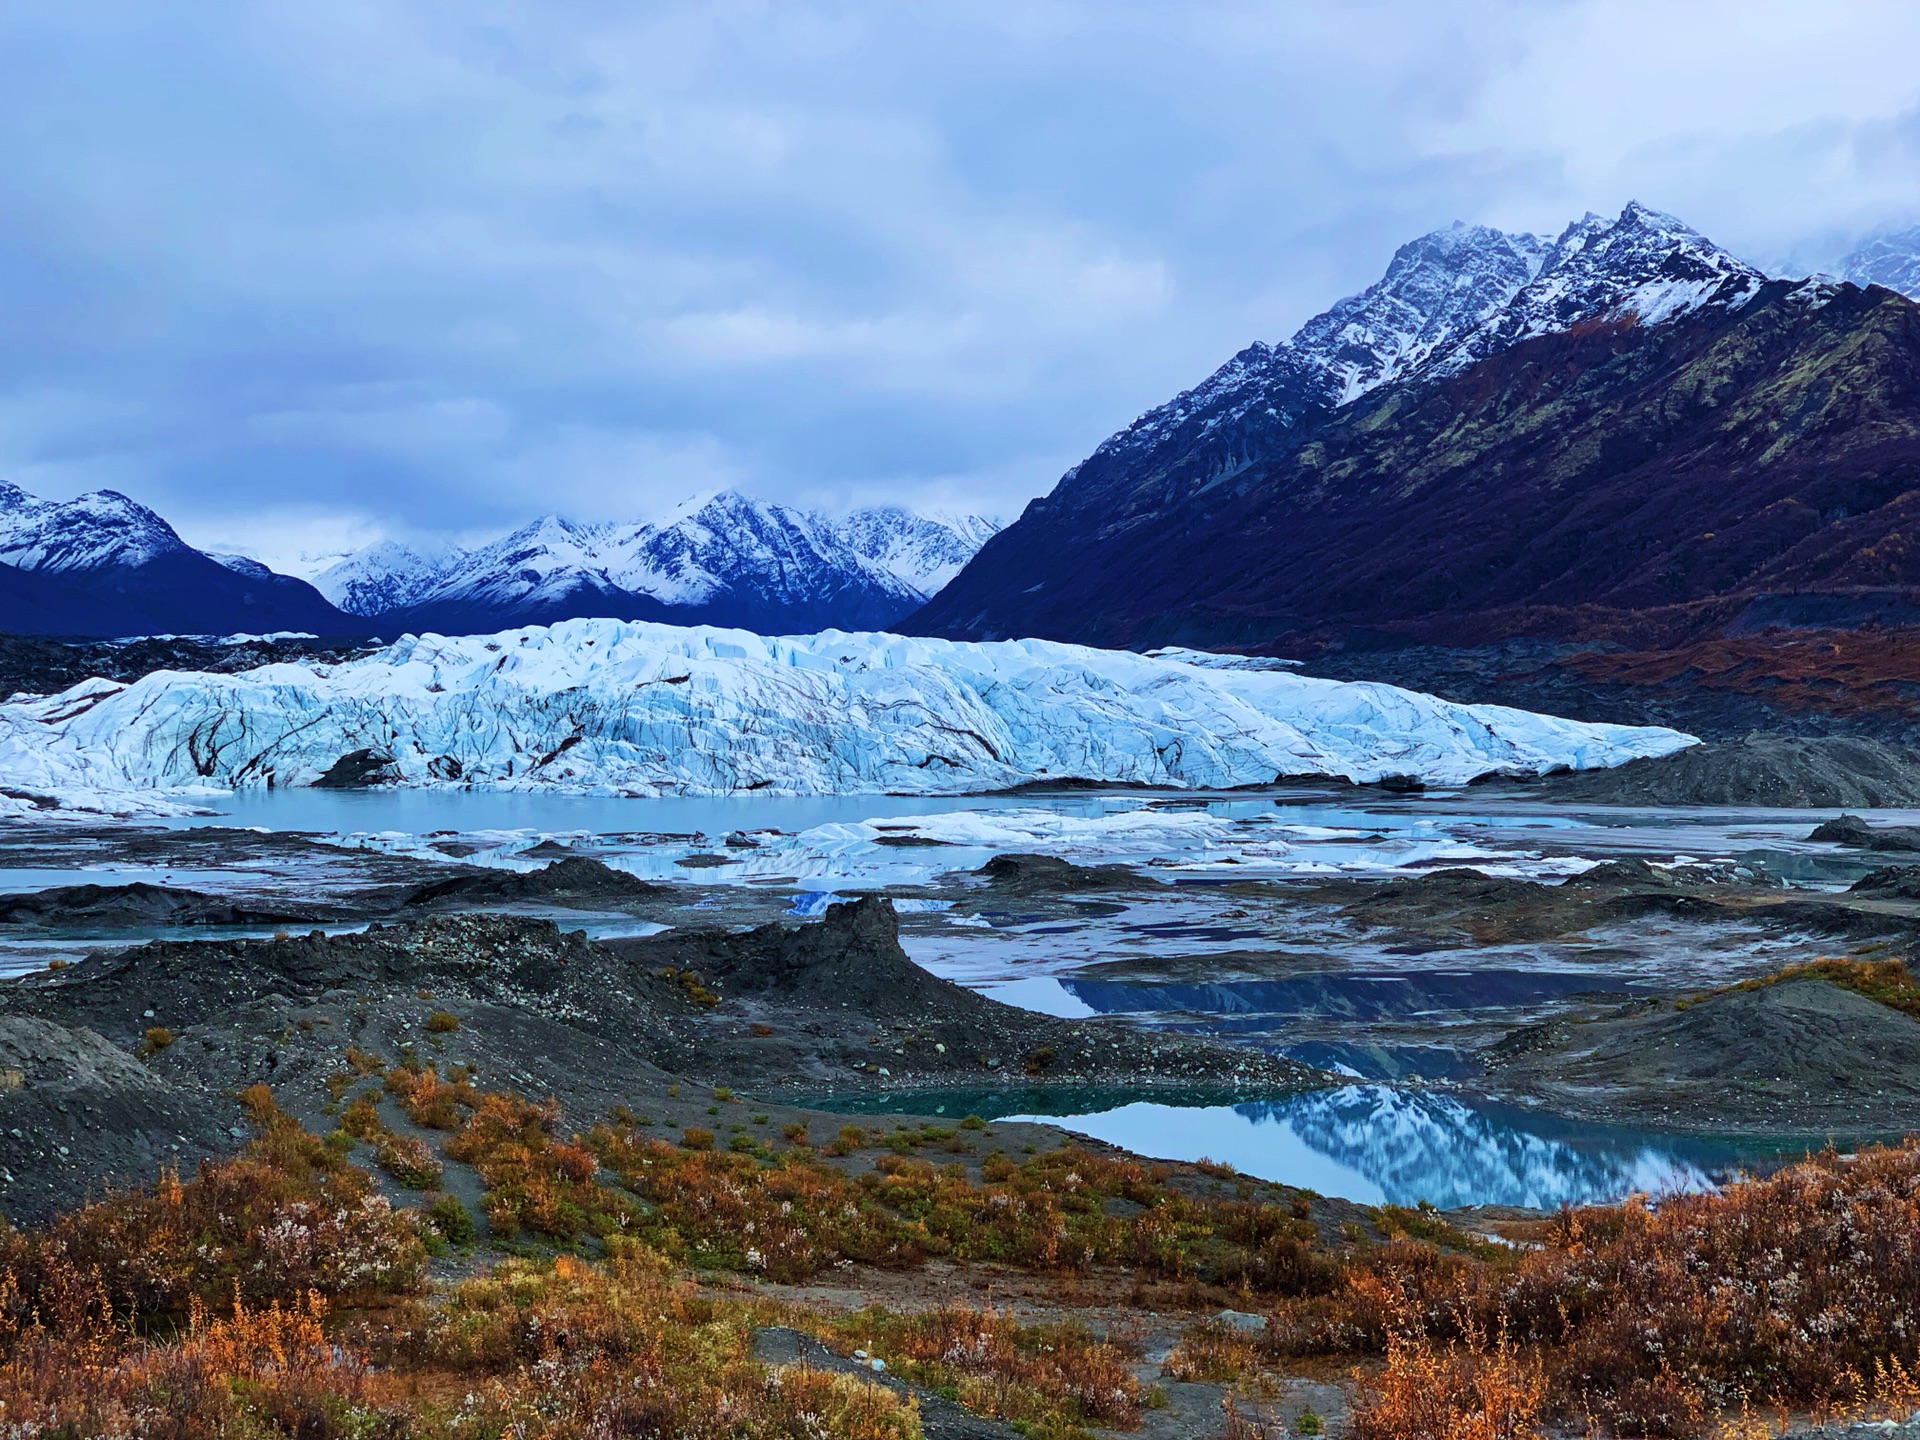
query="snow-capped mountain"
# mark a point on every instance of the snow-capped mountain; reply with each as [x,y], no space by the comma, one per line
[1892,260]
[1448,299]
[102,565]
[660,709]
[925,550]
[722,559]
[386,576]
[1643,266]
[86,533]
[1352,476]
[1437,290]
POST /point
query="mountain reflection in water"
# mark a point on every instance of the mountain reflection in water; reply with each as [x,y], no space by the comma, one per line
[1421,1145]
[1378,1144]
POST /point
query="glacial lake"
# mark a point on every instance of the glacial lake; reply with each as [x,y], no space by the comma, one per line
[1422,1135]
[1380,1144]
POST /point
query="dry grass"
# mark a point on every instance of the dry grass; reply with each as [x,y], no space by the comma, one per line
[791,1216]
[1887,981]
[1463,1390]
[1054,1380]
[277,1294]
[287,1218]
[1798,1291]
[536,1182]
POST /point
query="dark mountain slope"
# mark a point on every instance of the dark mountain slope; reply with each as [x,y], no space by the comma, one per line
[37,603]
[101,565]
[186,593]
[1766,446]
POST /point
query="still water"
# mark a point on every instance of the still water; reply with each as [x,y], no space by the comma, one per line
[1381,1144]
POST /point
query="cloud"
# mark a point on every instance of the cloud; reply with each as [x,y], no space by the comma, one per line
[420,266]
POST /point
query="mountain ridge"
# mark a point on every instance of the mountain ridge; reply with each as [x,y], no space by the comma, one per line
[102,565]
[720,559]
[1646,421]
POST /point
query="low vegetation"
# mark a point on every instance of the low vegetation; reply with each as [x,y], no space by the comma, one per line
[1796,1292]
[1887,981]
[278,1293]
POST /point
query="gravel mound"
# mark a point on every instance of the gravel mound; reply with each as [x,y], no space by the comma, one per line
[80,1116]
[135,904]
[1852,830]
[575,878]
[1040,873]
[1460,906]
[1890,882]
[1783,771]
[1803,1056]
[530,965]
[842,1004]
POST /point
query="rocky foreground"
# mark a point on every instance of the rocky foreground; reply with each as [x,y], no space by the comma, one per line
[136,1056]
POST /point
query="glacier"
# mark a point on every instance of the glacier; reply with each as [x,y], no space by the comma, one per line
[645,709]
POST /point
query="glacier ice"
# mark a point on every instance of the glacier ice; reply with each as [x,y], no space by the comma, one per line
[613,707]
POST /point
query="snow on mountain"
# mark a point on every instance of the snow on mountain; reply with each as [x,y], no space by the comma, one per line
[731,543]
[1892,260]
[1273,384]
[648,709]
[103,566]
[545,562]
[1438,289]
[386,575]
[85,533]
[925,550]
[1643,266]
[240,564]
[721,557]
[1448,299]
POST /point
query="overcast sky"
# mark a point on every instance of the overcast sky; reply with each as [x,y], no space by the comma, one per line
[302,274]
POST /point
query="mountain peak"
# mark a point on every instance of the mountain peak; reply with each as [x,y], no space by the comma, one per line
[1437,289]
[87,532]
[1643,267]
[720,557]
[1892,260]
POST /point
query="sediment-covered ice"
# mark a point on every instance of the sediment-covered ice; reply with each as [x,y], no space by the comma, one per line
[646,709]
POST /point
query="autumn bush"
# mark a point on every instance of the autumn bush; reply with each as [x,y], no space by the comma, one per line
[286,1218]
[621,1348]
[258,1371]
[430,1101]
[1466,1389]
[536,1182]
[791,1215]
[560,1349]
[1052,1379]
[1800,1290]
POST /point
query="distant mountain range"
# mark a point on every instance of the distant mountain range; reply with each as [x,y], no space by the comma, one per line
[1622,431]
[1892,260]
[104,566]
[101,565]
[724,560]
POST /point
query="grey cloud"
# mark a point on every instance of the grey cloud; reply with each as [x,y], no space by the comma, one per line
[427,266]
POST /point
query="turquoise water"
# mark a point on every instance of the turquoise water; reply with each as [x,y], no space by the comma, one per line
[1379,1144]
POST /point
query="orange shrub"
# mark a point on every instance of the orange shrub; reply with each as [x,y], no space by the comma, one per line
[1046,1373]
[1463,1391]
[1799,1290]
[285,1218]
[792,1215]
[430,1101]
[534,1182]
